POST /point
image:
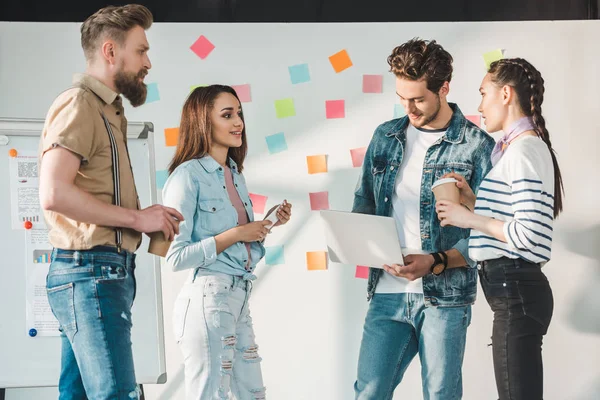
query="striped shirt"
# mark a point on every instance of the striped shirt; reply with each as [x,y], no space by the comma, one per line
[519,190]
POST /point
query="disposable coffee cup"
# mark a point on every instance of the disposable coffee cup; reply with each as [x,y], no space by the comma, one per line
[158,244]
[446,189]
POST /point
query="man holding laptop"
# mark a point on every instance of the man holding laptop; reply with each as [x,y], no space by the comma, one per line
[424,306]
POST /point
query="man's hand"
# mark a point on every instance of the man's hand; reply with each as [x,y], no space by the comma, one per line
[415,266]
[158,218]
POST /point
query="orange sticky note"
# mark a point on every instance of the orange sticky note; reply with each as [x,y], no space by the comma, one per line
[362,272]
[358,156]
[316,164]
[316,260]
[171,136]
[340,61]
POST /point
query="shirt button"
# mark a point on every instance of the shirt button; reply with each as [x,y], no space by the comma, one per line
[245,203]
[236,185]
[392,168]
[214,209]
[504,284]
[118,113]
[224,187]
[220,169]
[479,266]
[385,200]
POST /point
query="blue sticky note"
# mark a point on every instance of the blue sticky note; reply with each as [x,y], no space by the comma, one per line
[161,178]
[276,143]
[152,93]
[399,111]
[274,255]
[299,73]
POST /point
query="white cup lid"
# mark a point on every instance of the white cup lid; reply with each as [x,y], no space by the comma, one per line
[442,181]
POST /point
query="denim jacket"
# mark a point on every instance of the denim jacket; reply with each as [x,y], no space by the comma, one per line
[464,149]
[197,190]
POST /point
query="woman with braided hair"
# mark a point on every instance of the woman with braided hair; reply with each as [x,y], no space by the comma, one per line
[511,225]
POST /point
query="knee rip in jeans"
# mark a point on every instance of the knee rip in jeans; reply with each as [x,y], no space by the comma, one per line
[229,341]
[226,365]
[259,394]
[250,354]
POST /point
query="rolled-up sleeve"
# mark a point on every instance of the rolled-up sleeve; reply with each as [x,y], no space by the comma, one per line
[181,193]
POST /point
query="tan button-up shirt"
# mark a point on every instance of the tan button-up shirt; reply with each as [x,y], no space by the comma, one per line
[75,122]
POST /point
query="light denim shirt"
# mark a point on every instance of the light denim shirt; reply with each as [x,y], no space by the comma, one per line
[197,190]
[464,149]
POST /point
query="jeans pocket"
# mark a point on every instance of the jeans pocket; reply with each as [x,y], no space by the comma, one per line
[536,302]
[61,300]
[182,305]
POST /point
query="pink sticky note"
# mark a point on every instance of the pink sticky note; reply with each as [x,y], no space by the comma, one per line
[358,156]
[319,201]
[372,83]
[202,47]
[243,92]
[476,119]
[335,109]
[258,203]
[362,272]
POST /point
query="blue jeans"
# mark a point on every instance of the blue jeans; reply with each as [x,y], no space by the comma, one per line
[91,293]
[399,326]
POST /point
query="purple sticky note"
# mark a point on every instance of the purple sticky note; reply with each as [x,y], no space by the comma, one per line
[358,156]
[243,92]
[372,83]
[319,201]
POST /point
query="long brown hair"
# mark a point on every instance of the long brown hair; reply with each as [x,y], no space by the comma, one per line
[529,86]
[195,129]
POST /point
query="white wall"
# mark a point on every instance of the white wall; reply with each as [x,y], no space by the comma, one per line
[308,324]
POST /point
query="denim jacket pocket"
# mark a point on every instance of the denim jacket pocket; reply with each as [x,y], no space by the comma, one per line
[61,300]
[378,171]
[214,216]
[464,169]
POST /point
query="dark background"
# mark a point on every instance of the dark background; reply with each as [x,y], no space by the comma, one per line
[312,10]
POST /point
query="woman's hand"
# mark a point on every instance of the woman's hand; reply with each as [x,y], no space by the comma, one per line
[284,213]
[252,231]
[467,197]
[453,214]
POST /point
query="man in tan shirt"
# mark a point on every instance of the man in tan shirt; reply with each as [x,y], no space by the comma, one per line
[90,203]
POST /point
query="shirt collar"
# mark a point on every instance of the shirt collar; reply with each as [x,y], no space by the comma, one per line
[100,89]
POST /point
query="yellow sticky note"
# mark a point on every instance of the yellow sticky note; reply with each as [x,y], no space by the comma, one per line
[316,164]
[171,136]
[492,56]
[316,260]
[285,108]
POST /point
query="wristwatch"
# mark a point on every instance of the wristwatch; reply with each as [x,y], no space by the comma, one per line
[440,263]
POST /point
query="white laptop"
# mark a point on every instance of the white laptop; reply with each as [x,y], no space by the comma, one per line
[361,239]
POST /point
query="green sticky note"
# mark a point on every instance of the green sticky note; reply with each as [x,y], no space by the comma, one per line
[285,108]
[492,56]
[196,86]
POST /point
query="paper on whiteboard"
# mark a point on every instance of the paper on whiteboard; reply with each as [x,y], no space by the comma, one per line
[38,313]
[24,193]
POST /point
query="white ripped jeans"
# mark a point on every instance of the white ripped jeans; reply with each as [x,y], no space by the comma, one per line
[213,328]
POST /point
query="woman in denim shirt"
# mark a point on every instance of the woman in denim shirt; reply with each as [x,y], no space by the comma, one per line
[220,244]
[511,228]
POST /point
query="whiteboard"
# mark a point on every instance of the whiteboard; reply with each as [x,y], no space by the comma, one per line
[35,361]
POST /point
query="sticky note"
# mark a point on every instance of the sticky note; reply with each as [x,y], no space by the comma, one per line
[319,201]
[316,260]
[285,108]
[299,73]
[399,111]
[243,92]
[152,94]
[196,86]
[171,136]
[161,178]
[492,56]
[340,61]
[372,84]
[202,47]
[316,164]
[274,255]
[335,109]
[358,156]
[258,202]
[361,272]
[476,119]
[276,143]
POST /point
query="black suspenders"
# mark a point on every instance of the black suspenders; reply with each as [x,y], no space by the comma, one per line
[114,150]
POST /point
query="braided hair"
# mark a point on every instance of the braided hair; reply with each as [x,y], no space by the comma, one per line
[529,86]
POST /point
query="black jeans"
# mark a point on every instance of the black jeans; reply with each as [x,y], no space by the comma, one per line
[521,299]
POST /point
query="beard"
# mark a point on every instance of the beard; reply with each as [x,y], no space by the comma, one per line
[130,85]
[431,117]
